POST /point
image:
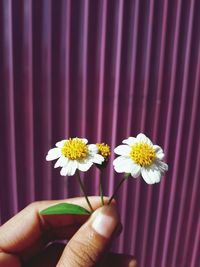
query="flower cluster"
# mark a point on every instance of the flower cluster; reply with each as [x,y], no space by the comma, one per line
[136,156]
[74,154]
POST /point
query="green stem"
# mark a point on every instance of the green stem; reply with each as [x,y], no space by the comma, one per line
[101,187]
[125,176]
[83,190]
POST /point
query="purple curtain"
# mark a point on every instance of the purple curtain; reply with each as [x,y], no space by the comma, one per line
[105,70]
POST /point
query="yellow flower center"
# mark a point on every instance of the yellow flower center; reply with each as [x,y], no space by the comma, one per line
[104,150]
[142,154]
[75,149]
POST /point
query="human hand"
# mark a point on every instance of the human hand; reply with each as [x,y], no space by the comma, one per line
[24,238]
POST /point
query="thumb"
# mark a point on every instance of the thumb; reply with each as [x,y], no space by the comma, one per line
[91,240]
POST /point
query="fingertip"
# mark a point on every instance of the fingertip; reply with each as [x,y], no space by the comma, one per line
[105,220]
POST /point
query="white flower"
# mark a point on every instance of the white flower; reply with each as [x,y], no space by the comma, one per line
[138,156]
[73,154]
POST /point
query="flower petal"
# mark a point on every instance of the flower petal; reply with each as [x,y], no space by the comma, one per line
[142,138]
[163,167]
[97,159]
[159,152]
[120,164]
[157,148]
[73,166]
[84,140]
[160,155]
[130,141]
[84,166]
[122,150]
[64,171]
[118,160]
[135,170]
[53,153]
[150,176]
[128,165]
[69,169]
[61,143]
[61,162]
[92,149]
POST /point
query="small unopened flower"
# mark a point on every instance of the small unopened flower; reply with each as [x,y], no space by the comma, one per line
[104,150]
[138,156]
[73,154]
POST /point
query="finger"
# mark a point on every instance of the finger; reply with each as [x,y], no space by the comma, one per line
[90,242]
[8,260]
[25,232]
[50,256]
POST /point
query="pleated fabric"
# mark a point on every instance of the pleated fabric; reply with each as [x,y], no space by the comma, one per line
[105,70]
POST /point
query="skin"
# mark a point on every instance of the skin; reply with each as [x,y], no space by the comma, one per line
[24,239]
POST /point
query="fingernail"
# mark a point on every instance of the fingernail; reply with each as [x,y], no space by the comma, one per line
[105,221]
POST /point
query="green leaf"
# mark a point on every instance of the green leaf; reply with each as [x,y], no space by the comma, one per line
[65,208]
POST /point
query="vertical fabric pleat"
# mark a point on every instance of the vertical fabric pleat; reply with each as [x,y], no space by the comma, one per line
[105,70]
[42,92]
[23,100]
[8,195]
